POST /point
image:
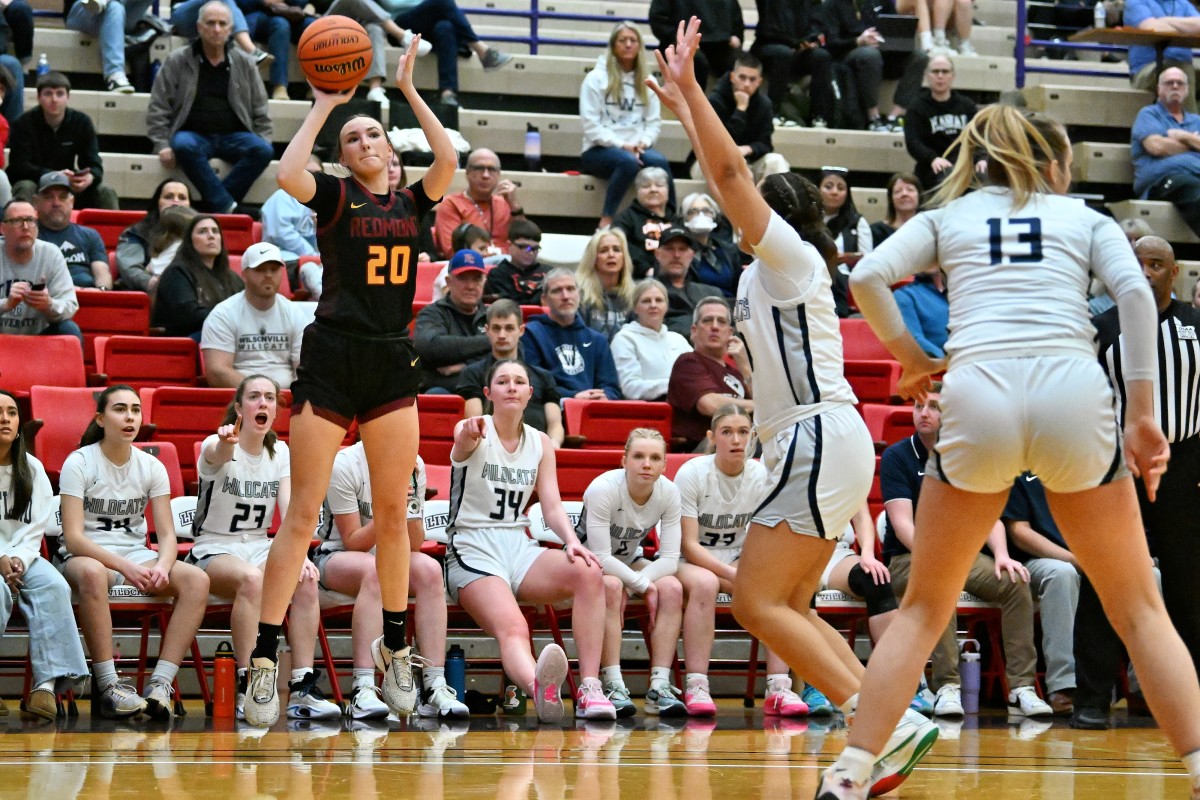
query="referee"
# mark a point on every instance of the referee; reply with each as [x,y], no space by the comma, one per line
[1172,521]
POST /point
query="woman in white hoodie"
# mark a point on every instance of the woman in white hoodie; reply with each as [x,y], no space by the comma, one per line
[621,118]
[644,350]
[26,507]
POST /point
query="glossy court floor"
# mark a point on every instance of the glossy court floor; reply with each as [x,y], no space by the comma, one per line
[735,757]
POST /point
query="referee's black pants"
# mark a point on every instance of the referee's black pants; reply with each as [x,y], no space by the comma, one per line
[1173,524]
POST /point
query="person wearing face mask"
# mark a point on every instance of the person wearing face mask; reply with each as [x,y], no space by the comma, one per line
[718,262]
[646,217]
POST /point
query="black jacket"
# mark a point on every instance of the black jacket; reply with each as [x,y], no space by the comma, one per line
[35,148]
[446,336]
[633,223]
[523,288]
[719,19]
[787,22]
[844,21]
[752,127]
[930,127]
[178,309]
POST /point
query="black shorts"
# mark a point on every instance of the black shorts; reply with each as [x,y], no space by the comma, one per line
[345,377]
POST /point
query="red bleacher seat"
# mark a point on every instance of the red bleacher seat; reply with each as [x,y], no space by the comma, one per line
[111,314]
[873,381]
[859,342]
[28,361]
[427,272]
[237,231]
[888,424]
[148,361]
[578,468]
[675,461]
[605,424]
[184,416]
[109,223]
[875,496]
[439,413]
[528,312]
[59,416]
[169,456]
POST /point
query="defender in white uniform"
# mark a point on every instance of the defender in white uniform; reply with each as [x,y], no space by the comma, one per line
[245,473]
[815,446]
[1023,391]
[620,509]
[106,486]
[491,564]
[346,560]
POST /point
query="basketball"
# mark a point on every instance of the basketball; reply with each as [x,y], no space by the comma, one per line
[335,53]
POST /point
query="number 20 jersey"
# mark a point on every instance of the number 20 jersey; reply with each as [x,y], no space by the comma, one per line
[236,500]
[369,248]
[491,489]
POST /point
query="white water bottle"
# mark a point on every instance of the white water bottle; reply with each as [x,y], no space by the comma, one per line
[43,65]
[1099,15]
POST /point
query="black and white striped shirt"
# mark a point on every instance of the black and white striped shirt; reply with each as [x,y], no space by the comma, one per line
[1177,383]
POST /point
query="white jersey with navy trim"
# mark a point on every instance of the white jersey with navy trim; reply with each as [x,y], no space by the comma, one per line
[491,489]
[114,497]
[612,526]
[785,312]
[722,505]
[1016,279]
[350,492]
[236,500]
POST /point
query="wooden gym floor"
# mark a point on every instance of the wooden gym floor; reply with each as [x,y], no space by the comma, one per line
[736,757]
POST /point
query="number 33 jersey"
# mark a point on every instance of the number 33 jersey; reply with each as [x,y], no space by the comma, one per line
[237,499]
[369,248]
[722,505]
[491,489]
[114,497]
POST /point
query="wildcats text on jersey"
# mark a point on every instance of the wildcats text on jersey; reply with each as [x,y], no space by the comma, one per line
[113,507]
[724,521]
[239,488]
[627,534]
[503,474]
[4,500]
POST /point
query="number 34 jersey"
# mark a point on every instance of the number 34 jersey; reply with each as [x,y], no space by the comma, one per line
[491,489]
[237,499]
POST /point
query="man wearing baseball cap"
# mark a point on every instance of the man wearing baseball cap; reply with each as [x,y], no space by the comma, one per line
[81,246]
[676,249]
[450,331]
[256,331]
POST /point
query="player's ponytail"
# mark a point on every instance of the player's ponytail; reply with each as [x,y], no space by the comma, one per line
[1018,147]
[22,473]
[95,431]
[798,202]
[231,411]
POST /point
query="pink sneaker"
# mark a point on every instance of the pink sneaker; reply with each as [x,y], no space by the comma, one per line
[785,704]
[548,677]
[698,701]
[590,702]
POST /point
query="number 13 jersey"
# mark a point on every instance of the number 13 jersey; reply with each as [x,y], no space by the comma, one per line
[237,499]
[491,489]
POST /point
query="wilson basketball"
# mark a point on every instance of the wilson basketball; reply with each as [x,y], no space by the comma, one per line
[335,53]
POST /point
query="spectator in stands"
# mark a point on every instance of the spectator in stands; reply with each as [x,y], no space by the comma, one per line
[12,90]
[39,294]
[997,578]
[790,44]
[721,25]
[255,332]
[465,237]
[705,379]
[644,350]
[621,119]
[933,17]
[934,121]
[18,28]
[1053,578]
[1166,138]
[451,330]
[198,279]
[134,244]
[605,277]
[850,230]
[1162,16]
[504,330]
[289,224]
[718,261]
[228,119]
[277,24]
[650,213]
[904,201]
[82,247]
[7,87]
[746,114]
[489,202]
[173,225]
[925,307]
[109,21]
[674,256]
[519,277]
[185,20]
[851,37]
[56,138]
[442,24]
[577,356]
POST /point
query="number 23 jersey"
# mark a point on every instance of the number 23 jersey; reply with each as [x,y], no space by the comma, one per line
[237,499]
[369,248]
[492,487]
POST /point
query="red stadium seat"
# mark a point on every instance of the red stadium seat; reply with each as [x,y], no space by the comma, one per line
[875,496]
[427,272]
[59,416]
[184,416]
[237,231]
[28,361]
[528,312]
[169,456]
[148,361]
[605,424]
[109,223]
[675,461]
[439,413]
[859,342]
[111,314]
[873,381]
[888,424]
[578,468]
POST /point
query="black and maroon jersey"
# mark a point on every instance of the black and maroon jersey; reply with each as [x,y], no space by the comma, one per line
[369,252]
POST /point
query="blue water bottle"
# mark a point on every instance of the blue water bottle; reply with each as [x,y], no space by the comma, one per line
[43,65]
[533,148]
[456,670]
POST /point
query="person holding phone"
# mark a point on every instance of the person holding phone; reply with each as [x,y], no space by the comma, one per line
[38,293]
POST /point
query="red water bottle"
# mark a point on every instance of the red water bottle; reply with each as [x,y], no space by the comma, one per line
[224,682]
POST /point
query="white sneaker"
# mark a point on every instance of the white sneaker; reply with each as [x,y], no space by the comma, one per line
[366,703]
[120,700]
[399,687]
[423,49]
[965,48]
[159,704]
[908,744]
[119,82]
[376,94]
[948,701]
[261,708]
[442,701]
[836,784]
[94,6]
[1024,702]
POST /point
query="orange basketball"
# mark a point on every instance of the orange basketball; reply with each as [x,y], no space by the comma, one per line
[335,53]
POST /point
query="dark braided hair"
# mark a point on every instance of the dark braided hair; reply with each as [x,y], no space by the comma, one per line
[798,201]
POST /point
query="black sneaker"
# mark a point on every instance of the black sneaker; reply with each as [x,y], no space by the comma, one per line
[1089,718]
